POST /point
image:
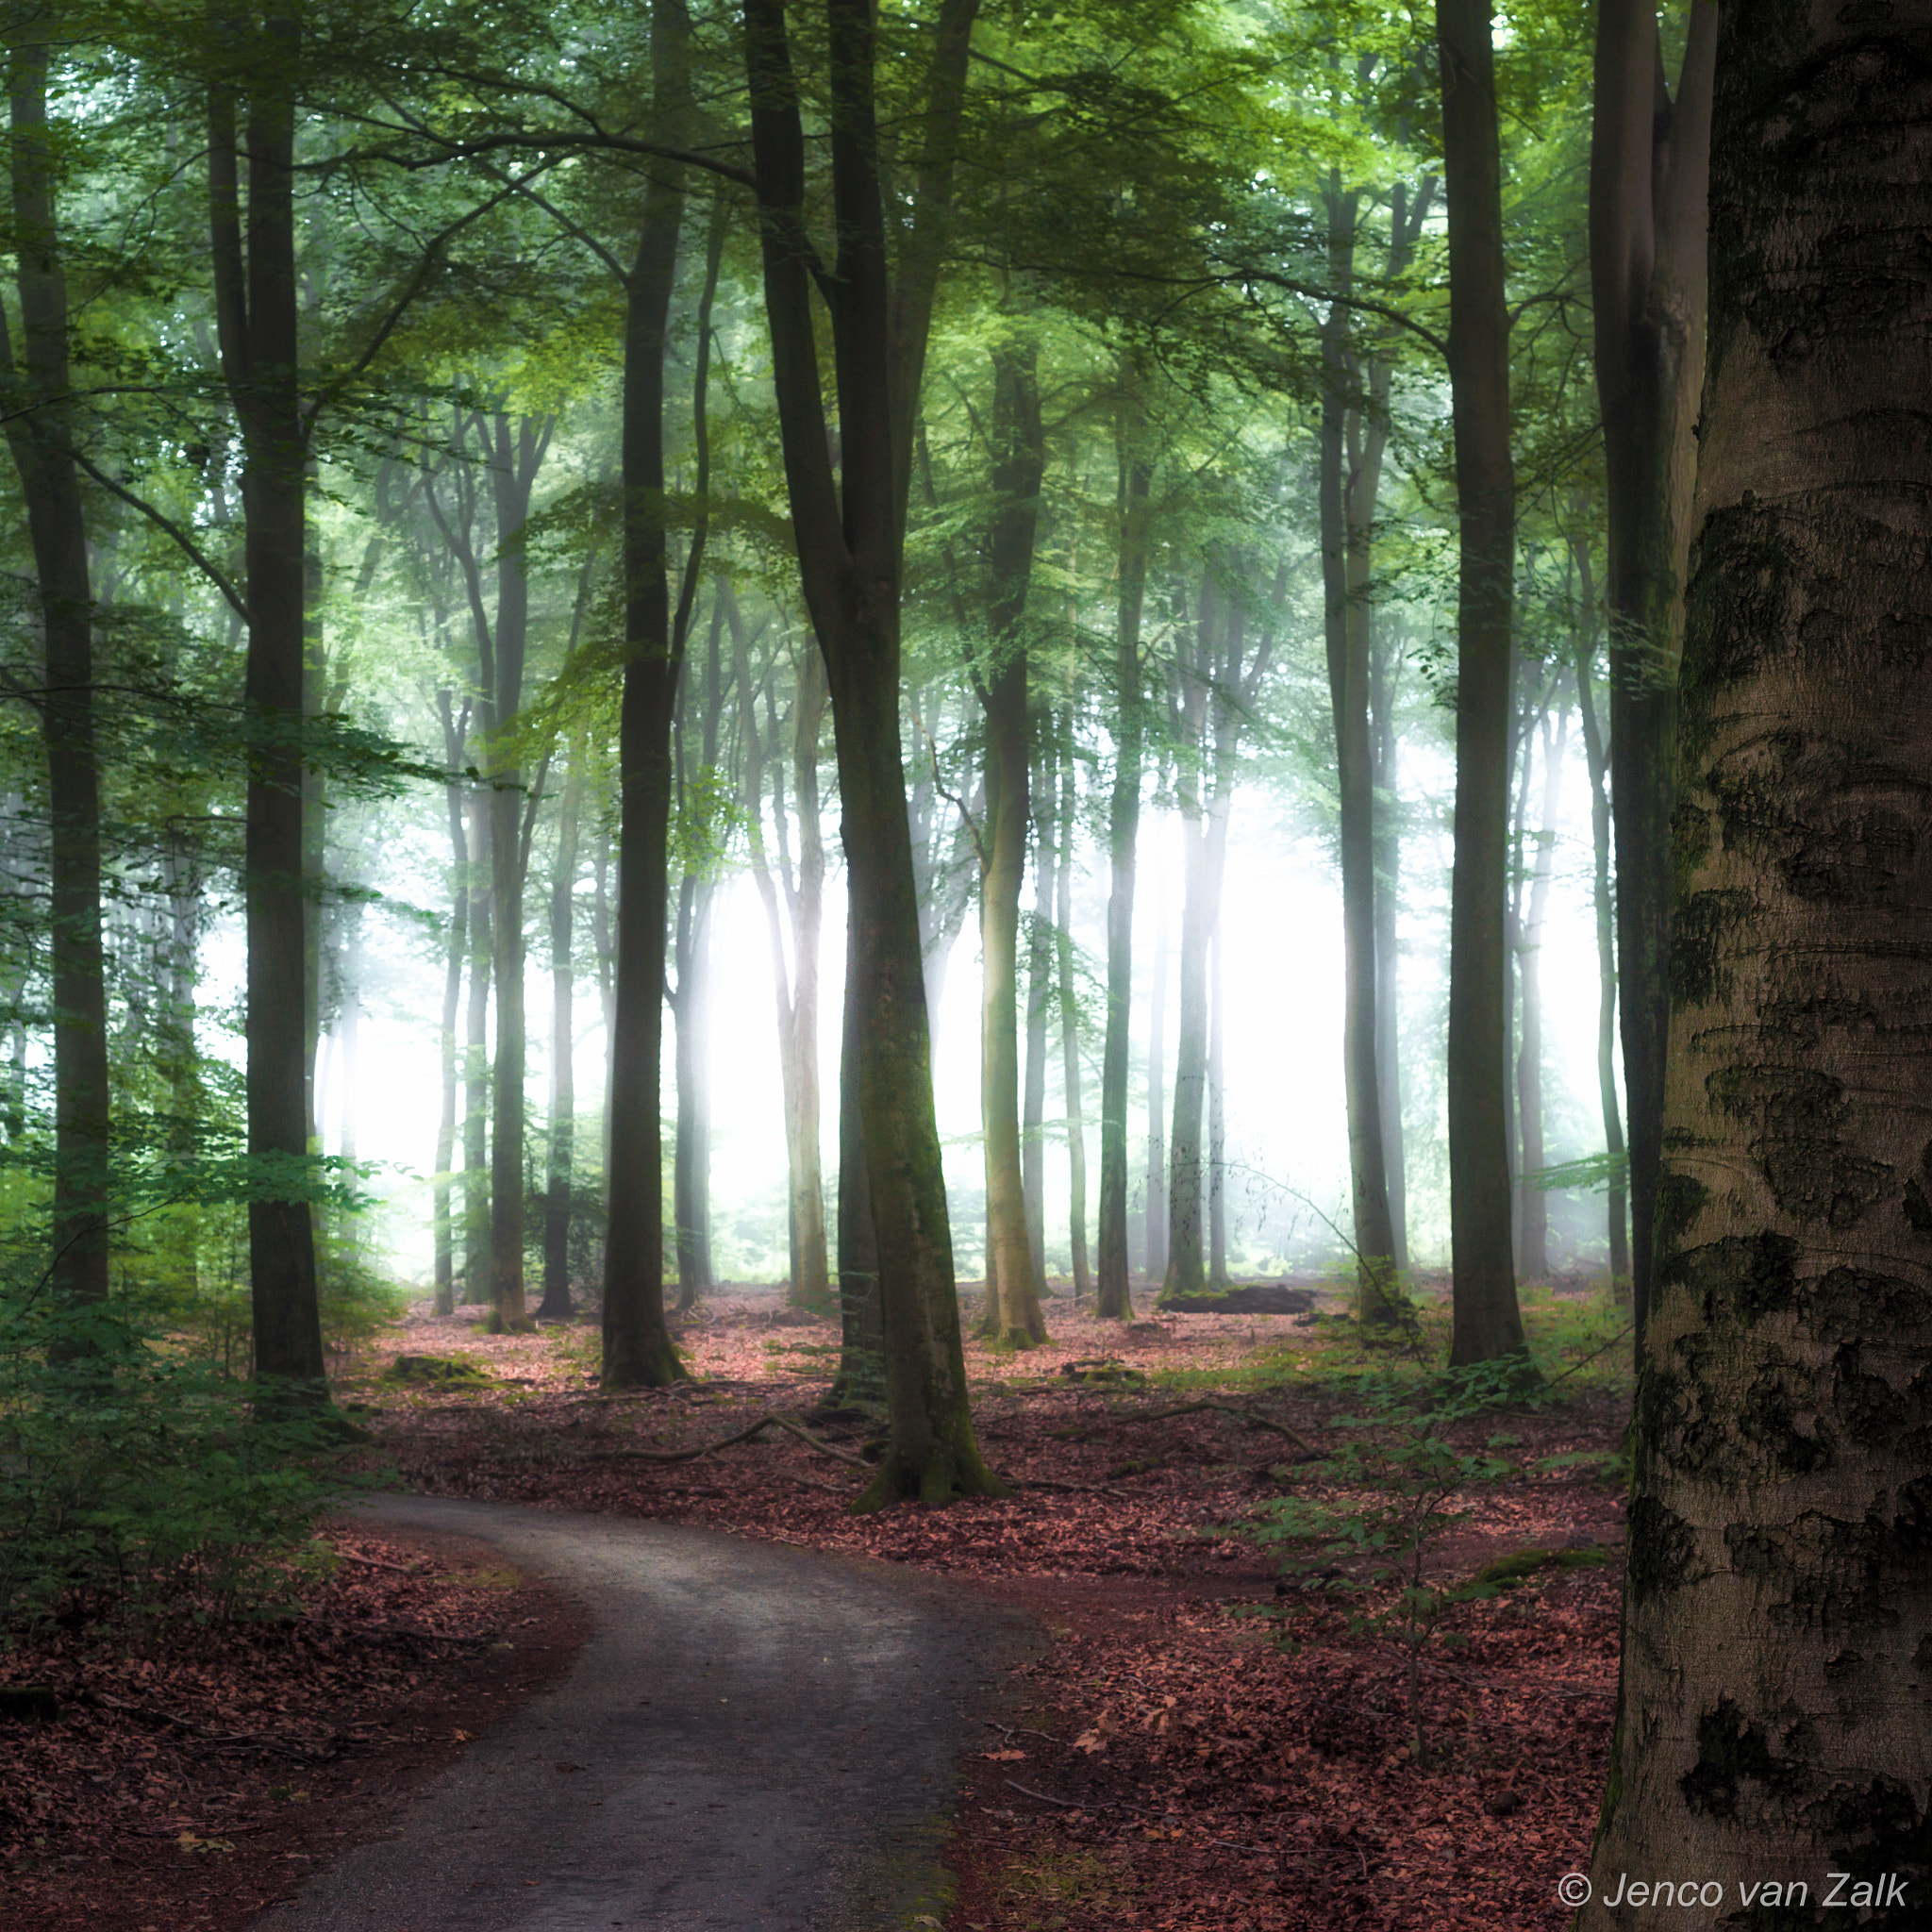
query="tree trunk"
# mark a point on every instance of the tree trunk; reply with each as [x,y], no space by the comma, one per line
[40,440]
[1217,1115]
[1778,1591]
[1596,760]
[1069,1036]
[1529,1063]
[255,313]
[1039,979]
[636,1344]
[1486,1323]
[555,1306]
[441,1233]
[1648,174]
[1012,1299]
[1346,631]
[1388,846]
[1114,1301]
[850,533]
[1156,1087]
[476,1063]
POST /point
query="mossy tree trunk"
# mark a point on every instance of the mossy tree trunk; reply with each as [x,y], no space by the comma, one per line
[1779,1591]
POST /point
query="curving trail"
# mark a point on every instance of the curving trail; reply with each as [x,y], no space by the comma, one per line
[763,1741]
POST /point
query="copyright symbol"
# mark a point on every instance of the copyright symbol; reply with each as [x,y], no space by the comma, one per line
[1572,1888]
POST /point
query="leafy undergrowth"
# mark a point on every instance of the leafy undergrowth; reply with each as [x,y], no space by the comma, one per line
[1176,1767]
[194,1772]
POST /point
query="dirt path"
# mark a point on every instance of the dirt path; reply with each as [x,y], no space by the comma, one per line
[756,1737]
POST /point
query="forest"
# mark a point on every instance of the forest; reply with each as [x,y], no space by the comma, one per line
[892,777]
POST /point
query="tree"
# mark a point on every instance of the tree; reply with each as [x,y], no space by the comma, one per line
[1648,168]
[1486,1322]
[850,531]
[1779,1586]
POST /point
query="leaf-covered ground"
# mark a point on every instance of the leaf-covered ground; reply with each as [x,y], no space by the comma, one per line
[1170,1764]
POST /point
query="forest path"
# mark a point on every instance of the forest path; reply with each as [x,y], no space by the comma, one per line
[754,1737]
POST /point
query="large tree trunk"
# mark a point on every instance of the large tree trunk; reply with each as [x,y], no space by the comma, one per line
[1486,1323]
[1595,757]
[850,535]
[1346,632]
[255,313]
[1534,1232]
[56,526]
[1771,1718]
[1040,980]
[476,1063]
[1114,1302]
[1070,1033]
[1013,1298]
[1648,169]
[636,1344]
[561,1155]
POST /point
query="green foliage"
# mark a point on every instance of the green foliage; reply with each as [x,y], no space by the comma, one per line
[1387,1495]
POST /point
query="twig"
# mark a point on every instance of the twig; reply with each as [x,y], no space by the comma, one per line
[1065,1804]
[792,1428]
[376,1563]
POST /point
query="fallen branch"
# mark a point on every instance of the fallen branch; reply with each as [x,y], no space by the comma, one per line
[792,1428]
[774,1421]
[376,1563]
[1047,1482]
[1246,1415]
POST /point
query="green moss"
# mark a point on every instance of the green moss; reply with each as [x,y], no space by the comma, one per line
[1506,1571]
[438,1370]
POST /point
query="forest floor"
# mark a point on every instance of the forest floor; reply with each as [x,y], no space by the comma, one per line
[1172,1765]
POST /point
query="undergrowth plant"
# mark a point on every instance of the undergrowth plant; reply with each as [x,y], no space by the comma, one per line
[1384,1499]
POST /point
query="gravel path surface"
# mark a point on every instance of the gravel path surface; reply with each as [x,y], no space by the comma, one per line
[757,1739]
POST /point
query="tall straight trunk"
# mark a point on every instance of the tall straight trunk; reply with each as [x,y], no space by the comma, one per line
[1486,1323]
[1217,1113]
[315,823]
[690,1167]
[561,1154]
[441,1229]
[1649,169]
[1346,631]
[1596,760]
[1522,739]
[1387,849]
[40,442]
[1770,1723]
[1013,1269]
[255,286]
[1069,1034]
[1114,1301]
[1039,979]
[477,1085]
[850,531]
[1535,1249]
[636,1344]
[861,1313]
[1156,1087]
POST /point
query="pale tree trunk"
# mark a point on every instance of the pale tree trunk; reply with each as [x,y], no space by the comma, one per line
[1013,1298]
[561,1154]
[1217,1113]
[1114,1300]
[39,438]
[1535,1250]
[1070,1035]
[1388,844]
[456,729]
[1523,741]
[1040,978]
[1648,170]
[255,285]
[1486,1323]
[1155,1220]
[476,1063]
[1595,757]
[850,531]
[1777,1599]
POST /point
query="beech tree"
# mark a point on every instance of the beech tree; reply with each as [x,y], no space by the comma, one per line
[1778,1589]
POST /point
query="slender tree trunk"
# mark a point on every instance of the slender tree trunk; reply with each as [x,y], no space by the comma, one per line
[255,311]
[850,534]
[1114,1301]
[1529,1063]
[1156,1089]
[477,1064]
[1039,976]
[1597,761]
[1070,1035]
[691,1159]
[1778,1594]
[1388,847]
[555,1306]
[636,1344]
[1217,1116]
[56,526]
[1648,174]
[454,732]
[1486,1323]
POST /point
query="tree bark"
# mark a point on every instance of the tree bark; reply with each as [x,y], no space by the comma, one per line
[255,286]
[1534,1233]
[1388,847]
[1039,979]
[1114,1300]
[1069,1032]
[561,1153]
[636,1344]
[1487,1323]
[455,731]
[849,532]
[1648,175]
[1156,1242]
[39,436]
[477,1086]
[1779,1587]
[1217,1113]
